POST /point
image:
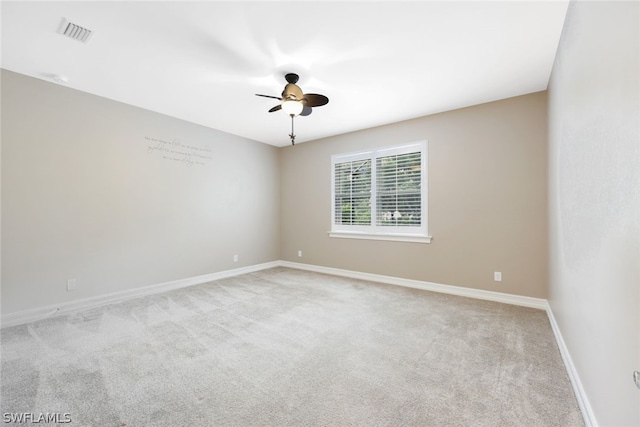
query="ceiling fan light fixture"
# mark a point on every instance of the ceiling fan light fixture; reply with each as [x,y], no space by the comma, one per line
[292,107]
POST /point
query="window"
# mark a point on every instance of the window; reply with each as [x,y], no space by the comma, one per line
[381,194]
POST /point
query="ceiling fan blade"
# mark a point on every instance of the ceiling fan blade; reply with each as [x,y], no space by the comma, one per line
[276,108]
[269,96]
[314,100]
[306,111]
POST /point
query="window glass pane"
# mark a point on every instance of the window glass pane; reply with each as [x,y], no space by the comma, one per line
[353,193]
[398,190]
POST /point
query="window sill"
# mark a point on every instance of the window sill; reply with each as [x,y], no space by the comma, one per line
[388,237]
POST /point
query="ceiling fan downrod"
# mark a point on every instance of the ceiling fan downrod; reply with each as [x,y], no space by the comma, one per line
[292,135]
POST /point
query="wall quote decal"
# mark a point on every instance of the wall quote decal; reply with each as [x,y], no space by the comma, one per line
[177,151]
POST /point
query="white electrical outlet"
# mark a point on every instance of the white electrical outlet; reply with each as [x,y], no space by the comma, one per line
[235,258]
[300,253]
[71,285]
[497,276]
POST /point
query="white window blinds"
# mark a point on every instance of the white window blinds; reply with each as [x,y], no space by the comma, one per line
[382,191]
[399,190]
[353,192]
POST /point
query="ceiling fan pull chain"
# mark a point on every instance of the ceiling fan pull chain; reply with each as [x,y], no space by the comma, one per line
[291,135]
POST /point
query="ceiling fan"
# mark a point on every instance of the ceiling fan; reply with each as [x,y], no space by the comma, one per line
[295,102]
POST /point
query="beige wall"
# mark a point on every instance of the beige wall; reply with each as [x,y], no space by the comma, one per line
[487,199]
[594,177]
[86,195]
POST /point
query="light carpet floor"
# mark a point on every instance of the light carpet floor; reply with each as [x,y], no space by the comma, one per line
[285,347]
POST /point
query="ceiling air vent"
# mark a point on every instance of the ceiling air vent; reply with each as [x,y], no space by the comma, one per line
[74,31]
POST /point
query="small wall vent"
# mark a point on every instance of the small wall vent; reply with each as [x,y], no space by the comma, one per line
[74,31]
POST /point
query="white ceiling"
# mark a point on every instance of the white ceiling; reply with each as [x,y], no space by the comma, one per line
[378,62]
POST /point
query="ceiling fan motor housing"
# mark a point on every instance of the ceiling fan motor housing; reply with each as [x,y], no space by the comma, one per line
[292,91]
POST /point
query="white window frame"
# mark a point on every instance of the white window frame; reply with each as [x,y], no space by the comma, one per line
[378,232]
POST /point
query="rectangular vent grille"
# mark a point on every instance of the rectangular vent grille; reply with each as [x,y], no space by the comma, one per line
[75,31]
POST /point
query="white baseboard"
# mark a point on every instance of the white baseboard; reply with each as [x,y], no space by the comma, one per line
[34,314]
[578,390]
[427,286]
[38,313]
